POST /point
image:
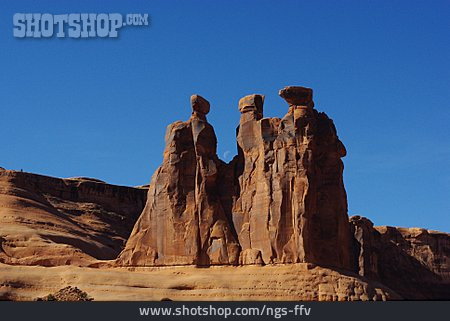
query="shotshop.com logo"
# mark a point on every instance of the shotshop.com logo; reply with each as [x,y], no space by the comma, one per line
[75,25]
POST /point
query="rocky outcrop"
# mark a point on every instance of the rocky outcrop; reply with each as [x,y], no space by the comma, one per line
[291,203]
[413,262]
[365,247]
[51,221]
[183,221]
[281,199]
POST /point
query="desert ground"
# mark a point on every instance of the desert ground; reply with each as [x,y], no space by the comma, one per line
[282,282]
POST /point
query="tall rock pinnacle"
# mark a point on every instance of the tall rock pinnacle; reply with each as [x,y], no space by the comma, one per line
[292,204]
[183,221]
[281,199]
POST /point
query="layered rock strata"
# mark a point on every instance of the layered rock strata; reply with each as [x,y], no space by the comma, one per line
[52,221]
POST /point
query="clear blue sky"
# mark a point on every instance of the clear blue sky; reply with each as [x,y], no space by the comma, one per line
[99,107]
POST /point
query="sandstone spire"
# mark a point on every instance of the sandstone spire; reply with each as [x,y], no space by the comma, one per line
[291,206]
[281,199]
[183,221]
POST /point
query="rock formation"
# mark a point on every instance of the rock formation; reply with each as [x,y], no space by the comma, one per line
[413,262]
[183,221]
[281,200]
[291,203]
[365,239]
[293,282]
[51,221]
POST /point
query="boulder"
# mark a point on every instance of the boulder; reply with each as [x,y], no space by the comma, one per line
[297,96]
[199,105]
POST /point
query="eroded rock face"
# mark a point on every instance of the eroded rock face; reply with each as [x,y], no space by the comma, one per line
[52,221]
[253,104]
[293,282]
[281,199]
[200,106]
[413,262]
[366,247]
[292,204]
[184,221]
[297,96]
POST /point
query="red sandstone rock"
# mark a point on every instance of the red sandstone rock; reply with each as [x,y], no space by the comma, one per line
[413,262]
[252,103]
[297,96]
[292,204]
[52,221]
[183,221]
[280,200]
[251,257]
[282,196]
[366,257]
[199,105]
